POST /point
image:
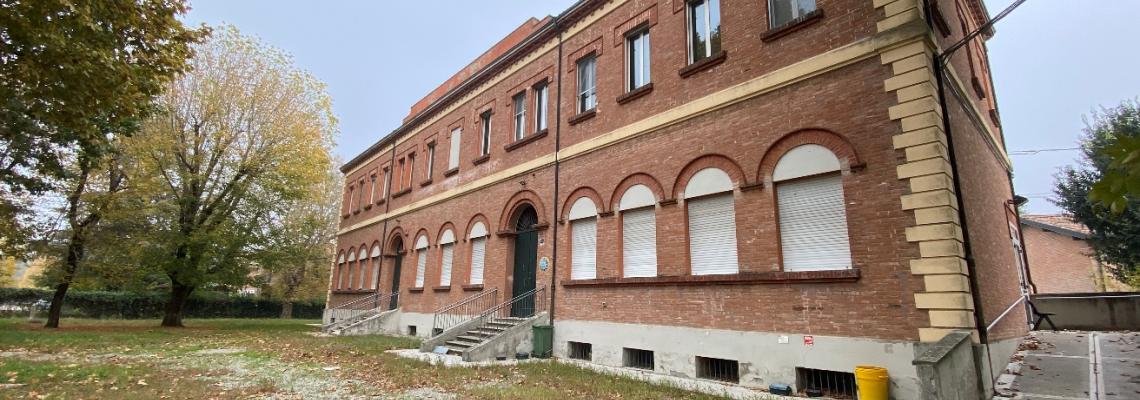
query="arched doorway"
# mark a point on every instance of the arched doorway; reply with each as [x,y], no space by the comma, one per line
[398,248]
[526,259]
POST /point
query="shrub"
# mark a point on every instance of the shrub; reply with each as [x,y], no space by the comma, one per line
[130,305]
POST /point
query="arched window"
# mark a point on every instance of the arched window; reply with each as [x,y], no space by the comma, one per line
[346,276]
[447,246]
[421,259]
[375,266]
[478,252]
[361,265]
[339,271]
[583,243]
[813,218]
[712,223]
[638,232]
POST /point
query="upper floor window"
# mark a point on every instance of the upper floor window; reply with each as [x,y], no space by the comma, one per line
[704,29]
[387,183]
[520,115]
[540,99]
[587,94]
[485,140]
[453,152]
[637,59]
[411,171]
[782,12]
[430,160]
[350,199]
[360,201]
[372,189]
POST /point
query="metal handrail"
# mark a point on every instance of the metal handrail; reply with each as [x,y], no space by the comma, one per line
[463,310]
[379,303]
[525,305]
[362,303]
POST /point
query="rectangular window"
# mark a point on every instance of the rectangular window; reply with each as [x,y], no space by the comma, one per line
[587,95]
[520,115]
[387,183]
[453,152]
[360,201]
[718,369]
[485,142]
[704,29]
[430,160]
[581,351]
[583,249]
[813,224]
[411,171]
[351,198]
[372,189]
[712,235]
[446,263]
[400,172]
[783,12]
[478,252]
[639,243]
[540,100]
[637,358]
[637,59]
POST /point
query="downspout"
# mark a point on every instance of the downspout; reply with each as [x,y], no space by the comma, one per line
[557,167]
[387,206]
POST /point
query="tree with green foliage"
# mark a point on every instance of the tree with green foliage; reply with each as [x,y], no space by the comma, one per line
[1114,228]
[241,136]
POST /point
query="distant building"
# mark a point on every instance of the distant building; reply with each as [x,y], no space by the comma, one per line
[1060,260]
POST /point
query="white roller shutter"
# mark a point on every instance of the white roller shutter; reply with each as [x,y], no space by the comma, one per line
[583,249]
[375,273]
[712,235]
[639,243]
[445,269]
[421,264]
[478,251]
[813,224]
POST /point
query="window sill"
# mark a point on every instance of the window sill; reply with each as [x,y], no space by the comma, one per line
[473,288]
[702,65]
[416,290]
[451,172]
[635,93]
[481,159]
[356,211]
[522,142]
[441,288]
[747,278]
[583,116]
[381,201]
[792,26]
[367,206]
[401,193]
[425,182]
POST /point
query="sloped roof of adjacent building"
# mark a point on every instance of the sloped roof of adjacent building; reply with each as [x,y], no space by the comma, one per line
[1056,223]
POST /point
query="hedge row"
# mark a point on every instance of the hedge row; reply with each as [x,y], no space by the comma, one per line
[131,305]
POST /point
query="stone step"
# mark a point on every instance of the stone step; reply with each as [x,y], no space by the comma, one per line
[500,325]
[454,352]
[455,344]
[471,339]
[483,333]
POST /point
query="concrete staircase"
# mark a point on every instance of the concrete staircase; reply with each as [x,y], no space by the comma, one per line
[476,337]
[371,324]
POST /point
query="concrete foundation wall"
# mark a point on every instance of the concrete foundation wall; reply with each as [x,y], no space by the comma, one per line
[764,358]
[1092,311]
[947,369]
[422,321]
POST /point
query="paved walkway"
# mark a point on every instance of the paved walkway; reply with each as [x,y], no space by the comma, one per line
[1076,366]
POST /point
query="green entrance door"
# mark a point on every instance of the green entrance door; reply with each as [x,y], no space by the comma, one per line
[396,275]
[526,258]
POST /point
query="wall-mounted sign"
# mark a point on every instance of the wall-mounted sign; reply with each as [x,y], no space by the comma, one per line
[809,340]
[544,263]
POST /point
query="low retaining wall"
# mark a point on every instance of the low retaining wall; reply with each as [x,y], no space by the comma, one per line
[1091,311]
[946,369]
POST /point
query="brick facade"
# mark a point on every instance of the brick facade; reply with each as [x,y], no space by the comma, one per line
[856,78]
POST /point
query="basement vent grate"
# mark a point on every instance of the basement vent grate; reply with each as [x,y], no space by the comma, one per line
[637,358]
[411,330]
[581,351]
[818,382]
[718,369]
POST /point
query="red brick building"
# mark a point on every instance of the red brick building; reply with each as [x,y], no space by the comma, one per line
[1059,258]
[768,186]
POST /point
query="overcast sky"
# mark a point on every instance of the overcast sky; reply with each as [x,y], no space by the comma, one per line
[1052,63]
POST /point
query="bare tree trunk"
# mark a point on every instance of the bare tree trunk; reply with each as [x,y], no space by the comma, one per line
[287,310]
[56,305]
[178,295]
[75,245]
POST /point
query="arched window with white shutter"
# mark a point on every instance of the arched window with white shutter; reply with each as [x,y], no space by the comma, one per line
[339,272]
[712,223]
[361,265]
[638,232]
[375,273]
[813,217]
[421,259]
[346,276]
[447,257]
[478,239]
[583,239]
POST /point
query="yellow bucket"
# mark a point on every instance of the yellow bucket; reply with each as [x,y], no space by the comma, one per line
[873,382]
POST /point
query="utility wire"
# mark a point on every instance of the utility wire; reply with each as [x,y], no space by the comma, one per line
[1032,152]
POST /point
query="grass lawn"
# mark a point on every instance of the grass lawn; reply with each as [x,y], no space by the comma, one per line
[232,358]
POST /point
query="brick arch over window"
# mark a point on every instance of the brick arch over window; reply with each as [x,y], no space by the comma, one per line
[637,179]
[471,225]
[375,244]
[578,193]
[514,206]
[397,233]
[708,161]
[423,232]
[446,226]
[839,145]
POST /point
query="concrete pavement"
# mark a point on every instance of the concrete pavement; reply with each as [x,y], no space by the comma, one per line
[1072,365]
